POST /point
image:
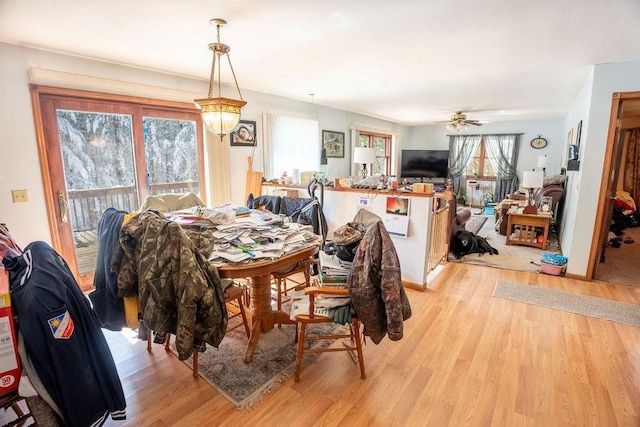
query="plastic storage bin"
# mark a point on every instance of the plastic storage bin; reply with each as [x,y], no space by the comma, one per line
[554,270]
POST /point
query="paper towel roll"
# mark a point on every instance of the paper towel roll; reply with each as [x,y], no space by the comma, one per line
[296,176]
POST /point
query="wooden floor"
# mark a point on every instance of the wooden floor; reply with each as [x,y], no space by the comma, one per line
[466,359]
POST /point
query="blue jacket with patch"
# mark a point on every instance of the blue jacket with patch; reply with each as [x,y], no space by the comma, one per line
[63,337]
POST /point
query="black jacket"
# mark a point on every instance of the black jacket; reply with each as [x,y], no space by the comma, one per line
[63,337]
[108,306]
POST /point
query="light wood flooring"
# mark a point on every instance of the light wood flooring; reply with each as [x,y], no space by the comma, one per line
[466,359]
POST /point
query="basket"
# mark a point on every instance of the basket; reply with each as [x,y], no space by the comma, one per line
[553,270]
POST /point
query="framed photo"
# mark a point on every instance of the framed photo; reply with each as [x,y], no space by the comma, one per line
[568,146]
[578,133]
[546,202]
[244,134]
[333,143]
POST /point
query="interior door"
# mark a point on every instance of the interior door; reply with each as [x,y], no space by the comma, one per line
[611,183]
[90,150]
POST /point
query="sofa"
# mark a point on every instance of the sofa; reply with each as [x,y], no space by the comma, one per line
[552,186]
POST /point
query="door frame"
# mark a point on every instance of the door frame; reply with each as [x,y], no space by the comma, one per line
[602,220]
[60,232]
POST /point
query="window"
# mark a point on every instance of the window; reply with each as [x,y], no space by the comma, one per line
[479,166]
[290,142]
[384,150]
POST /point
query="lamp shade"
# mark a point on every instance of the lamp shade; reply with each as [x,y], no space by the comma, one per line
[543,161]
[364,155]
[220,115]
[532,179]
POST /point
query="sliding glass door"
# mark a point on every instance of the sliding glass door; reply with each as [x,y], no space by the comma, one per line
[103,153]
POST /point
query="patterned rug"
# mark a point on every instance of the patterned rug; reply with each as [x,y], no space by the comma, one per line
[245,384]
[475,223]
[585,305]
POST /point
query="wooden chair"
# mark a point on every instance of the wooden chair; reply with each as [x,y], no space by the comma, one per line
[305,319]
[233,298]
[281,280]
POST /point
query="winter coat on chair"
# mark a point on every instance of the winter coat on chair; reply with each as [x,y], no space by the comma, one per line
[375,285]
[179,290]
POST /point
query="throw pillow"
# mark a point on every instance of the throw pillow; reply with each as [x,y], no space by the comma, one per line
[554,180]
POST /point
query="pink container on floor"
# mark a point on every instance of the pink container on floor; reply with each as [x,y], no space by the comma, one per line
[554,270]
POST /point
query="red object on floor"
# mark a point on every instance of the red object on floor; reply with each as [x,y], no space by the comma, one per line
[9,359]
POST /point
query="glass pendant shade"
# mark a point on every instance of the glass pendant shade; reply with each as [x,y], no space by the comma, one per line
[219,114]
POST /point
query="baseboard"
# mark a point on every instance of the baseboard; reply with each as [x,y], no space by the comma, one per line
[414,286]
[576,276]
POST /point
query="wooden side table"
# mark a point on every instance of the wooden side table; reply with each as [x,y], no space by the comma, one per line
[526,232]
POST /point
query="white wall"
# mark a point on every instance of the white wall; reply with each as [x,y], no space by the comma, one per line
[593,107]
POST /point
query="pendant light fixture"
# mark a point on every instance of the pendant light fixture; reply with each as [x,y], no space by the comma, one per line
[220,115]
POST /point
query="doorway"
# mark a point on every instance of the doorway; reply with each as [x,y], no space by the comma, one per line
[610,261]
[99,151]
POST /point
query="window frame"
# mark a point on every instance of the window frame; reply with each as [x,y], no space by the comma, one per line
[44,99]
[388,148]
[481,160]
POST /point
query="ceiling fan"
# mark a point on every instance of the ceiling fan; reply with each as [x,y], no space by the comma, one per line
[459,122]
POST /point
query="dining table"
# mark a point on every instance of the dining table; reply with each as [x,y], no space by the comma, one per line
[261,316]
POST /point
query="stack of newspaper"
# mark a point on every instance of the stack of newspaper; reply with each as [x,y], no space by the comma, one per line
[332,270]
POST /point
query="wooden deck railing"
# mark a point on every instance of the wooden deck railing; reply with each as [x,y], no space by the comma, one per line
[86,206]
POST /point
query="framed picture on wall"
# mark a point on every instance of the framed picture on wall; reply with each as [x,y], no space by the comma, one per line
[244,134]
[578,133]
[333,143]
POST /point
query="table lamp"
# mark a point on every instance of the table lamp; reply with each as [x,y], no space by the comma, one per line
[531,180]
[364,156]
[543,162]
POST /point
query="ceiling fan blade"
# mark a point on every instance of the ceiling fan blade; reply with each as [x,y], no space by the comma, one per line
[472,123]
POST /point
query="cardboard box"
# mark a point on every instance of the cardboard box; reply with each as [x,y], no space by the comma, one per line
[421,187]
[10,369]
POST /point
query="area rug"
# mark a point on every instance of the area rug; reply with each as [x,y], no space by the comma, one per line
[510,257]
[475,223]
[585,305]
[273,363]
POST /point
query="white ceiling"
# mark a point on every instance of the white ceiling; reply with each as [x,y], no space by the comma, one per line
[410,62]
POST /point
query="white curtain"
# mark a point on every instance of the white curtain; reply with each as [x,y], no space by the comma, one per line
[289,142]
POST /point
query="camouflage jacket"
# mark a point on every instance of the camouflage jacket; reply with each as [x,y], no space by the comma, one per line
[179,290]
[375,286]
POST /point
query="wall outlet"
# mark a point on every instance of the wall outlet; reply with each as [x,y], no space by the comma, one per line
[20,196]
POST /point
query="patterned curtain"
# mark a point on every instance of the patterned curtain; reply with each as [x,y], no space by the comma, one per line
[632,166]
[502,153]
[461,150]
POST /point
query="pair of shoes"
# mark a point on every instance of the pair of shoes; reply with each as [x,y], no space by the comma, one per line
[628,240]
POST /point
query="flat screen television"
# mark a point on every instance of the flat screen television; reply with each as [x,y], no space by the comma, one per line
[430,165]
